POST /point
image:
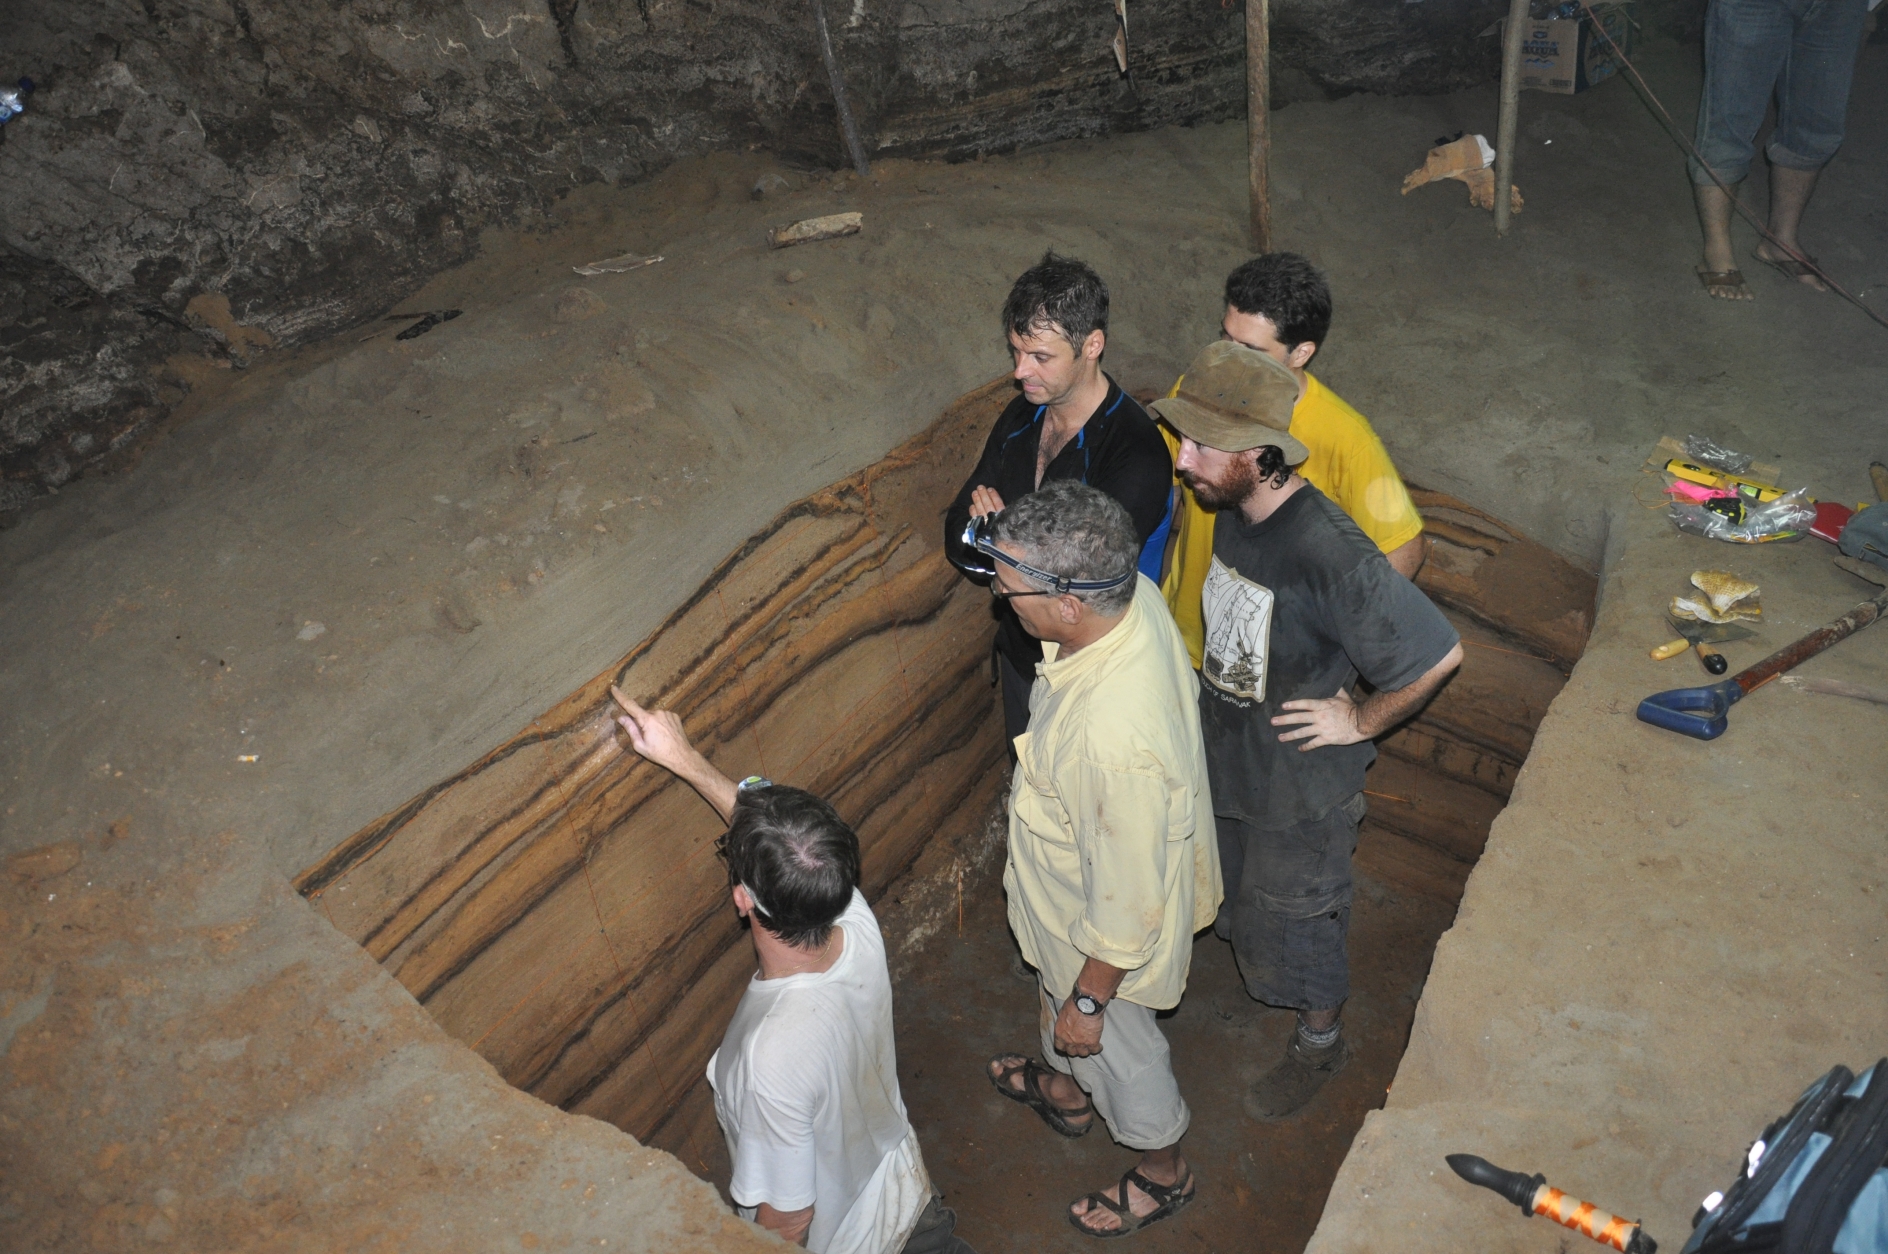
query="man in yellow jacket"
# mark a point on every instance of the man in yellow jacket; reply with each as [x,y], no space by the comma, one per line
[1279,304]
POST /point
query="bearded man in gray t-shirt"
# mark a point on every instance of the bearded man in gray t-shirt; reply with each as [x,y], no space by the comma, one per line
[1298,604]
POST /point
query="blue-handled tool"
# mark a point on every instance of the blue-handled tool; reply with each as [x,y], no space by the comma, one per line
[1704,713]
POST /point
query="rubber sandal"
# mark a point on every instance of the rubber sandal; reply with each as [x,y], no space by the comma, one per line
[1169,1200]
[1722,278]
[1790,267]
[1031,1095]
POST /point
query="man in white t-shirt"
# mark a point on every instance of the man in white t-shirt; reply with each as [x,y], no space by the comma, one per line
[806,1079]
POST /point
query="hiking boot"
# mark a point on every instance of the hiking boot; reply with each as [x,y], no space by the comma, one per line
[1287,1088]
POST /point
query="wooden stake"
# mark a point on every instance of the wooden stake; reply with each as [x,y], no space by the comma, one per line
[1258,119]
[846,125]
[1510,112]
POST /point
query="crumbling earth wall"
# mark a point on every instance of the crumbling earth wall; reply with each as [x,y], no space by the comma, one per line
[226,176]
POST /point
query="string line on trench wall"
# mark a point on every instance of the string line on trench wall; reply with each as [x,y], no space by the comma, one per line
[687,864]
[753,723]
[1743,210]
[891,611]
[1495,648]
[603,929]
[576,955]
[596,910]
[852,714]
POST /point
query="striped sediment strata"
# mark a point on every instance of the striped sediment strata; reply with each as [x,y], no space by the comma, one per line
[558,905]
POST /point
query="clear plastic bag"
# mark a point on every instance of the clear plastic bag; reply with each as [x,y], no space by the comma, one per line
[1708,452]
[1785,518]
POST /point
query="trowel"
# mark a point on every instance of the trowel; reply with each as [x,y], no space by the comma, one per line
[1702,636]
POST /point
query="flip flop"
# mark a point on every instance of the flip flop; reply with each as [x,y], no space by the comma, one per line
[1790,267]
[1722,278]
[1031,1095]
[1169,1199]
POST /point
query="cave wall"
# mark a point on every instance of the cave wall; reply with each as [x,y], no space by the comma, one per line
[226,176]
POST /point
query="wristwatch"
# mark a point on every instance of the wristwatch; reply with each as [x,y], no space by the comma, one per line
[1088,1004]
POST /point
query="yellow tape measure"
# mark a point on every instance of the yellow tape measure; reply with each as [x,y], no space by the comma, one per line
[1705,476]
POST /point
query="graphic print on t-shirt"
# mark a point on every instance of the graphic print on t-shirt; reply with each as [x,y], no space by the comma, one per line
[1238,616]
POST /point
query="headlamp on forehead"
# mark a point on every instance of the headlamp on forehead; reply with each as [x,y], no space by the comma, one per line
[980,537]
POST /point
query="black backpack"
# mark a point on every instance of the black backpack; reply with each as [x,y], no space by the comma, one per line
[1814,1182]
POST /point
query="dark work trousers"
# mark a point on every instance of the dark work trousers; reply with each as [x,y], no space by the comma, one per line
[1287,908]
[1016,688]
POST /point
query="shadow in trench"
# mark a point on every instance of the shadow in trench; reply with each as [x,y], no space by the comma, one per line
[1262,1186]
[1437,786]
[557,905]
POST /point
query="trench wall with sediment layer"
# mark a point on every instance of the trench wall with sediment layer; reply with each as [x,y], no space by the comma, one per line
[559,905]
[1440,780]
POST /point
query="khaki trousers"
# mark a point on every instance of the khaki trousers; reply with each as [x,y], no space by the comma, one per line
[1131,1080]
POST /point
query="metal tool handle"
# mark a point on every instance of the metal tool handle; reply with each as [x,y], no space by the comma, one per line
[1703,713]
[1791,656]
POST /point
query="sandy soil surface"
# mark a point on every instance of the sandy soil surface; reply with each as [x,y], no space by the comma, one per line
[363,563]
[1666,940]
[368,562]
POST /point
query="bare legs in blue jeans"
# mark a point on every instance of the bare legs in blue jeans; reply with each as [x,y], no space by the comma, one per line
[1789,196]
[1801,53]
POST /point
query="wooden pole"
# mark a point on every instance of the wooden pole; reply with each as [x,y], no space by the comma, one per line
[846,125]
[1510,112]
[1258,119]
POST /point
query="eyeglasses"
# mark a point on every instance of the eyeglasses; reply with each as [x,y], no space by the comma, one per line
[1001,595]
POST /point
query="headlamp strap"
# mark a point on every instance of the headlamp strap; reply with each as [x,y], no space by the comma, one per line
[982,542]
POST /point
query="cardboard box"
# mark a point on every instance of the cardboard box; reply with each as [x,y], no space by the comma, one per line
[1568,56]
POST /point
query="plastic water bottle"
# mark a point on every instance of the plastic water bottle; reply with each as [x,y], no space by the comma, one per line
[13,100]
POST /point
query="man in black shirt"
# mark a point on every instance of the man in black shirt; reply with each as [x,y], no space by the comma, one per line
[1071,421]
[1298,603]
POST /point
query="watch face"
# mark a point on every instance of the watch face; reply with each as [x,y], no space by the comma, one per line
[1087,1005]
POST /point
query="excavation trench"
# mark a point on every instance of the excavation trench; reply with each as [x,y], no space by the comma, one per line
[557,904]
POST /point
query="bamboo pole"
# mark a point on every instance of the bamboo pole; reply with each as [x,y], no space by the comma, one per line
[1258,119]
[846,124]
[1510,112]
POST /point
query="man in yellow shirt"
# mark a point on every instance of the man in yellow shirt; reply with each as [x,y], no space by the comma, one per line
[1113,857]
[1280,304]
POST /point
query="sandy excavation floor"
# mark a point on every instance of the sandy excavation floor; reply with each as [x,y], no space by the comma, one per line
[1263,1186]
[367,561]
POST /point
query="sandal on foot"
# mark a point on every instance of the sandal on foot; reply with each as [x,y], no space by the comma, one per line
[1723,278]
[1168,1199]
[1790,267]
[1031,1095]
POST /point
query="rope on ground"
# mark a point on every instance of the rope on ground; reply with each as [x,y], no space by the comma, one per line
[1671,126]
